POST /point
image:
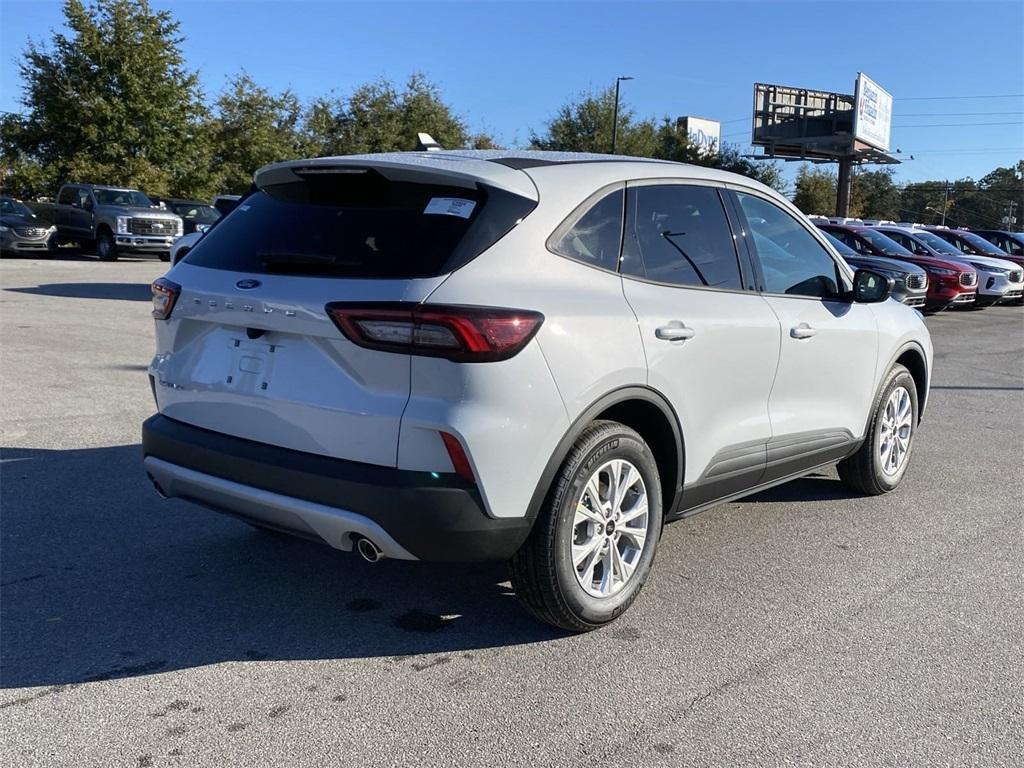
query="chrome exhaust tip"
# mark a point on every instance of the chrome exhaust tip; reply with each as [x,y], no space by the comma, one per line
[369,551]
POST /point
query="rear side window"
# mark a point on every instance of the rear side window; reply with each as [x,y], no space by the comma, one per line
[594,237]
[67,196]
[678,234]
[792,260]
[360,225]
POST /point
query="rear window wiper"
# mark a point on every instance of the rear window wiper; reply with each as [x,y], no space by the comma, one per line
[285,263]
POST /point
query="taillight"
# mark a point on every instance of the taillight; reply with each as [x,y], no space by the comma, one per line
[165,293]
[462,334]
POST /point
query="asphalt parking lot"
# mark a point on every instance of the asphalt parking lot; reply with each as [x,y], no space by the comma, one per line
[803,626]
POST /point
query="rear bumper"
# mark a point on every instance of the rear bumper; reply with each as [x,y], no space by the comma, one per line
[408,514]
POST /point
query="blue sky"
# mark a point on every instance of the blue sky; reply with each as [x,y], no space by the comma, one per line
[506,67]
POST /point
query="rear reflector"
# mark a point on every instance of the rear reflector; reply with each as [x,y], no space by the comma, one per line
[462,334]
[165,294]
[458,456]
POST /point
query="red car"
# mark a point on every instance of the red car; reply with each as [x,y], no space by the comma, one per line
[949,281]
[972,244]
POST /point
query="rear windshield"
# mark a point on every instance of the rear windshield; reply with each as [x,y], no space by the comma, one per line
[886,245]
[980,244]
[358,226]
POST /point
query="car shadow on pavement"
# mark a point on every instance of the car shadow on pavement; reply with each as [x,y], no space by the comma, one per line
[814,487]
[102,579]
[120,291]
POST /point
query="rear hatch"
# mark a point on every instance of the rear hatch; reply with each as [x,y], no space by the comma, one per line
[249,349]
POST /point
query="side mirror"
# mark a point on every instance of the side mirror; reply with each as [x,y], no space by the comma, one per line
[870,287]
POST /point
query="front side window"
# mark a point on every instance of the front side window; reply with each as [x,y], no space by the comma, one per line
[595,236]
[883,243]
[906,241]
[678,234]
[792,260]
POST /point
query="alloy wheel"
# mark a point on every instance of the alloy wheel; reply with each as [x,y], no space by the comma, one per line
[610,527]
[896,429]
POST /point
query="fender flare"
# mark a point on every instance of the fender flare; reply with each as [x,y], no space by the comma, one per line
[900,351]
[616,396]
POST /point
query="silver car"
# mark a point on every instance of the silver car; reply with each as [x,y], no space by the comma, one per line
[524,356]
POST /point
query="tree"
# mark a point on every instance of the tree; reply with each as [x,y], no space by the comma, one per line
[111,102]
[815,190]
[379,117]
[874,195]
[253,127]
[585,125]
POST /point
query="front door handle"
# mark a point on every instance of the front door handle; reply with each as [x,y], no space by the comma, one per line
[675,330]
[802,331]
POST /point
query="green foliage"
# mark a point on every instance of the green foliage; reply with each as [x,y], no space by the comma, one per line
[874,195]
[378,117]
[112,101]
[815,190]
[252,127]
[584,124]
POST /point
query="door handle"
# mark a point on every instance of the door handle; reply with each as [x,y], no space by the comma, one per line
[674,331]
[802,331]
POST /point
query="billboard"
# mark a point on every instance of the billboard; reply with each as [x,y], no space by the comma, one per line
[872,120]
[706,134]
[802,123]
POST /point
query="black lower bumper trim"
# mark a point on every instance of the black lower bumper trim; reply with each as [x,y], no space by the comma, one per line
[435,516]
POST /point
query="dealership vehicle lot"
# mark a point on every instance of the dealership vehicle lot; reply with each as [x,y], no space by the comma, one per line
[804,625]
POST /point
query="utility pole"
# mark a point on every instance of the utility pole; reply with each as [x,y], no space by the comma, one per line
[1009,220]
[945,202]
[615,112]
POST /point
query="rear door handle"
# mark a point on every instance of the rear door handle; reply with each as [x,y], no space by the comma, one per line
[675,330]
[802,331]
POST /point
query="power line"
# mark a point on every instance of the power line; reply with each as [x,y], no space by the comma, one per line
[946,98]
[955,114]
[956,125]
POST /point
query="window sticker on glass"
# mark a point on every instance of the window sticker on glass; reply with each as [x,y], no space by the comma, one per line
[451,206]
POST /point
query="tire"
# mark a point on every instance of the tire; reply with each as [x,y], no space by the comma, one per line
[106,248]
[165,256]
[870,470]
[546,581]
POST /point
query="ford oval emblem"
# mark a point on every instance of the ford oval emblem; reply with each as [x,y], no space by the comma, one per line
[246,285]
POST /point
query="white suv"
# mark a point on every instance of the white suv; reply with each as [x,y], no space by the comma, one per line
[537,357]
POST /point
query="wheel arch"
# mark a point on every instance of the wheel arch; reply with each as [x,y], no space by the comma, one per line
[911,356]
[640,408]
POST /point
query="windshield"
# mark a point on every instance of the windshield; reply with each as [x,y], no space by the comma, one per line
[886,245]
[199,213]
[979,244]
[937,243]
[839,245]
[128,198]
[11,207]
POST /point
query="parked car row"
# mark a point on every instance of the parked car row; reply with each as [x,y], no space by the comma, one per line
[962,268]
[112,221]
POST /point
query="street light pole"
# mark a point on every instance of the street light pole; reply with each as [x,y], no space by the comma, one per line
[615,112]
